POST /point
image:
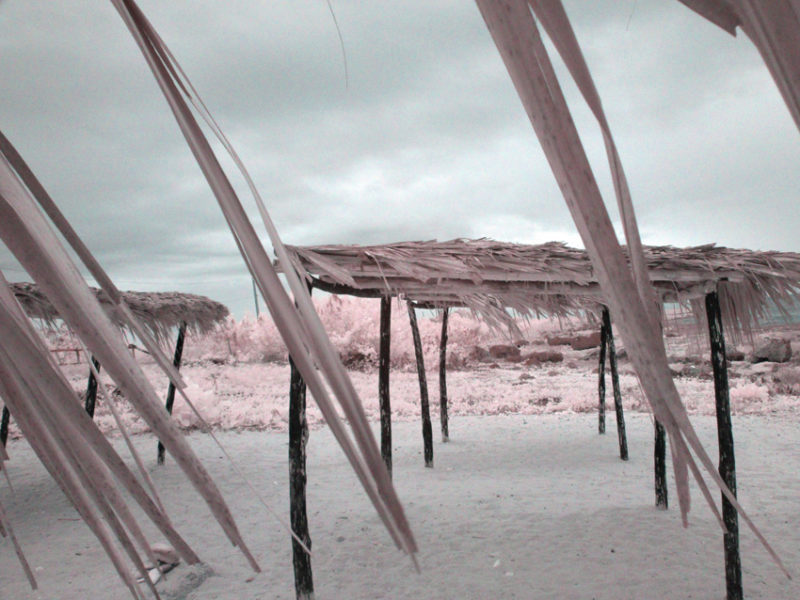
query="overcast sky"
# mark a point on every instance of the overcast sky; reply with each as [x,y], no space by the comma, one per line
[424,139]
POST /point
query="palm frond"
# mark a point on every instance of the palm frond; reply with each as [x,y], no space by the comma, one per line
[295,318]
[517,38]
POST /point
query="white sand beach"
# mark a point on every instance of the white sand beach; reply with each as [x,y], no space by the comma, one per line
[517,506]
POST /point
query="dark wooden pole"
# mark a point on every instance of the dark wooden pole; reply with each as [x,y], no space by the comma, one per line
[384,363]
[660,465]
[298,437]
[91,388]
[4,426]
[176,360]
[601,379]
[727,463]
[427,431]
[443,378]
[255,298]
[298,515]
[612,363]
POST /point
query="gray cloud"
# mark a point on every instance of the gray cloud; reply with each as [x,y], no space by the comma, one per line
[427,139]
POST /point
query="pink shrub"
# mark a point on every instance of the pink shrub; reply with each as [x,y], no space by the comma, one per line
[353,327]
[238,375]
[787,380]
[748,398]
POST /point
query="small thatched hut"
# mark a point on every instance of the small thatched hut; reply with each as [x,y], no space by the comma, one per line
[159,312]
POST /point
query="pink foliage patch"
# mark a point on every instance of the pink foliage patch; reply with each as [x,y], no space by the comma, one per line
[353,326]
[238,375]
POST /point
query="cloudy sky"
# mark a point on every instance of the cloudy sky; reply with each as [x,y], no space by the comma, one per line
[418,135]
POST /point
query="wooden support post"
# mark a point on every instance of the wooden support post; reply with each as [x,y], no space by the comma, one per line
[91,388]
[176,361]
[727,463]
[4,422]
[384,363]
[660,466]
[601,379]
[427,431]
[443,378]
[298,437]
[612,363]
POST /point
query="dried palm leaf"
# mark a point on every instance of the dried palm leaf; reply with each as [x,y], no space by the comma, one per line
[6,529]
[40,398]
[299,326]
[26,234]
[774,28]
[516,36]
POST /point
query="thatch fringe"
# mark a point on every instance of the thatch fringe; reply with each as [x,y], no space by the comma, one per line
[552,279]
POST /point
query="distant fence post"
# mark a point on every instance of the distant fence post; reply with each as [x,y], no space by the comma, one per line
[727,462]
[384,364]
[660,466]
[4,426]
[443,378]
[91,388]
[601,378]
[427,431]
[176,361]
[612,363]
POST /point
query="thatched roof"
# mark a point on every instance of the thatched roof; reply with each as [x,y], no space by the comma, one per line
[157,311]
[549,278]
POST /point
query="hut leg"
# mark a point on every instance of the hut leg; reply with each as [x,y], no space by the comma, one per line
[384,364]
[443,378]
[4,426]
[660,464]
[727,463]
[91,388]
[298,437]
[601,380]
[612,363]
[176,361]
[427,431]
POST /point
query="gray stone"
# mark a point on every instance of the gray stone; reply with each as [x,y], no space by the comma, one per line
[772,350]
[586,341]
[480,354]
[734,354]
[559,340]
[506,351]
[535,358]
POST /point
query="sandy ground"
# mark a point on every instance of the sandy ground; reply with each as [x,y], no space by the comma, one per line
[517,506]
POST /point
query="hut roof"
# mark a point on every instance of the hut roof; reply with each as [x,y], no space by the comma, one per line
[549,278]
[157,311]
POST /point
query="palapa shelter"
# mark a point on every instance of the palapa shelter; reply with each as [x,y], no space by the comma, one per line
[158,312]
[495,279]
[725,288]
